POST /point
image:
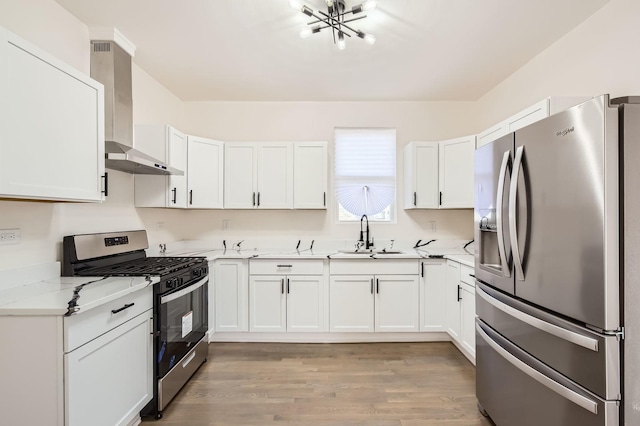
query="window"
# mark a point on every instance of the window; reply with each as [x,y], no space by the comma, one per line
[365,173]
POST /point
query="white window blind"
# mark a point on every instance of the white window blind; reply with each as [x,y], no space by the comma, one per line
[365,169]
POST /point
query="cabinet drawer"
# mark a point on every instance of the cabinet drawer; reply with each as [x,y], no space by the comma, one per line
[374,267]
[286,267]
[85,326]
[466,273]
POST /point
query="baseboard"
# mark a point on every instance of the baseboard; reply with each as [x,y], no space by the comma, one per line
[470,357]
[328,337]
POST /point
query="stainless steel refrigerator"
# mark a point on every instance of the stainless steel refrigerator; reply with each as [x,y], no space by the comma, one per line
[557,226]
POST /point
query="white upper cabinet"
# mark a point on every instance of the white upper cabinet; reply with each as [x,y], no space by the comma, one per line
[51,127]
[535,112]
[240,175]
[275,175]
[258,175]
[439,174]
[310,175]
[202,161]
[421,175]
[177,152]
[204,173]
[456,173]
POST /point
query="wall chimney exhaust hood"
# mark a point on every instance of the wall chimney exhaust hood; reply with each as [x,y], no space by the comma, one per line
[111,66]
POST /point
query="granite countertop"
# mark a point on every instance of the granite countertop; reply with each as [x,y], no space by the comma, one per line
[51,296]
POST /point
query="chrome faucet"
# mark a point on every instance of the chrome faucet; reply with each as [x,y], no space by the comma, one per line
[368,243]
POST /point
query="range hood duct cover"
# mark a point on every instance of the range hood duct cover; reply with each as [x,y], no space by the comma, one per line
[111,66]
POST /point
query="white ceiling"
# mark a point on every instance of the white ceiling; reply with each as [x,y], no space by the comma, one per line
[251,49]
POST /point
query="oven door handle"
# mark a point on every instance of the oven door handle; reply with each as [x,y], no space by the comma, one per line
[186,290]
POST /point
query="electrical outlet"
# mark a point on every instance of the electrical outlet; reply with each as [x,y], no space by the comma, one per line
[9,236]
[432,226]
[226,225]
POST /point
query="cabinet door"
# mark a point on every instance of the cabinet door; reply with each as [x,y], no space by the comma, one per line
[535,112]
[110,379]
[468,319]
[240,175]
[492,133]
[51,126]
[177,157]
[351,303]
[275,175]
[305,307]
[310,175]
[231,296]
[433,293]
[267,303]
[421,175]
[456,172]
[453,300]
[397,303]
[204,173]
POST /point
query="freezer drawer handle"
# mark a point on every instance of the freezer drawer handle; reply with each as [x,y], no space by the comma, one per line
[556,387]
[569,336]
[506,271]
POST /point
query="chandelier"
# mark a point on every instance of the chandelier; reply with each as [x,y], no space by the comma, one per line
[336,18]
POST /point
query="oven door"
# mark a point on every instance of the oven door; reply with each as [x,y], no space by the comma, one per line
[183,322]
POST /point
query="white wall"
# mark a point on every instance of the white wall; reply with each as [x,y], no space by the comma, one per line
[49,26]
[599,56]
[315,121]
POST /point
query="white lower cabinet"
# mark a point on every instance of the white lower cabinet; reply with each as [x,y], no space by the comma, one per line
[433,294]
[110,379]
[287,295]
[91,368]
[381,303]
[231,295]
[461,307]
[286,303]
[453,299]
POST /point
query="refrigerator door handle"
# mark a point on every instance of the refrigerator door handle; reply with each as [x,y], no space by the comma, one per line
[513,231]
[506,271]
[569,336]
[576,398]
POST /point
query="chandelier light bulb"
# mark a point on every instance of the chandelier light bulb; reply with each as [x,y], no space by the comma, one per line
[329,3]
[306,33]
[369,5]
[295,4]
[341,42]
[370,38]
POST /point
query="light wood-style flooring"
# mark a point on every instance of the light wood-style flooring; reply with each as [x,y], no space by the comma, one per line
[385,384]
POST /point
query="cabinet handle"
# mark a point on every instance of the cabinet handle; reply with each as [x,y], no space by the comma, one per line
[254,199]
[284,266]
[377,286]
[459,293]
[106,184]
[287,285]
[415,198]
[190,196]
[127,306]
[422,269]
[282,286]
[175,195]
[371,285]
[258,199]
[440,197]
[324,199]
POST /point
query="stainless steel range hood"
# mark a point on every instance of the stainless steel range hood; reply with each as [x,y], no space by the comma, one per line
[111,66]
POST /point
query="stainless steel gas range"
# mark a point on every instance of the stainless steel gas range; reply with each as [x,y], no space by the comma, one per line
[180,301]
